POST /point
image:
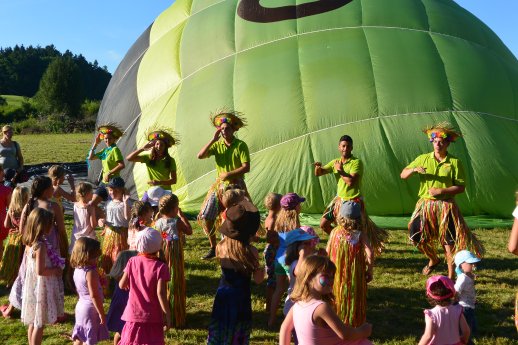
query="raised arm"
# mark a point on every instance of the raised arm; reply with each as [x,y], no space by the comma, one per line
[204,152]
[319,170]
[134,156]
[91,153]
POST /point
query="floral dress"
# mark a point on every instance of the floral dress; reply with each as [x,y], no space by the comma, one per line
[43,296]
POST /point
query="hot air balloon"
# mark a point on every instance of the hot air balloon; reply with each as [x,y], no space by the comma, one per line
[306,74]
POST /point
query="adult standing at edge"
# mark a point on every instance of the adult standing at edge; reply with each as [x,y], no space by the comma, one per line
[348,172]
[161,167]
[232,163]
[111,159]
[437,218]
[10,153]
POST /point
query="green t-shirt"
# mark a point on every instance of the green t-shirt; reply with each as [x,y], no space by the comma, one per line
[229,158]
[109,157]
[447,173]
[352,166]
[159,170]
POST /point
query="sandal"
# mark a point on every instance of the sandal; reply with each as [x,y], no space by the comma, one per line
[429,268]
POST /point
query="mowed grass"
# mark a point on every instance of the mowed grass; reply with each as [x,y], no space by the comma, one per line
[395,298]
[13,100]
[65,148]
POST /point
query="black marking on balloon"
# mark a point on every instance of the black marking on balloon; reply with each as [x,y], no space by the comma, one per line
[253,11]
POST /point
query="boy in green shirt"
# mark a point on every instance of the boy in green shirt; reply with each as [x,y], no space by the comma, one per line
[348,172]
[232,163]
[437,217]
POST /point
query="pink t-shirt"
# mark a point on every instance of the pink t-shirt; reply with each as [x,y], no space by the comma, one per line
[143,305]
[445,322]
[308,333]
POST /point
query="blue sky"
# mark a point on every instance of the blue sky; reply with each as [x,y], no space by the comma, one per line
[105,30]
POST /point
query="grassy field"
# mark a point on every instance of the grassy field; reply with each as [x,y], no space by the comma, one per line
[72,147]
[395,298]
[13,101]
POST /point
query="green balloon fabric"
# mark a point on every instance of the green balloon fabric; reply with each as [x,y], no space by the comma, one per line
[306,73]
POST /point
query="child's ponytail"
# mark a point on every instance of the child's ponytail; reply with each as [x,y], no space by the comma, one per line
[137,210]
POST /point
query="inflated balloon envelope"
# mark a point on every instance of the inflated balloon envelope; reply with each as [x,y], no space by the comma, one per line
[305,73]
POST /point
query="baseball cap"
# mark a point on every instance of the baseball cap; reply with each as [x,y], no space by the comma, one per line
[291,200]
[464,256]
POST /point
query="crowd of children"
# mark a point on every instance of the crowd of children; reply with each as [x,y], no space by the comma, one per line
[138,261]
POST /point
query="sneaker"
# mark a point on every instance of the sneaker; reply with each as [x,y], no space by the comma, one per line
[210,254]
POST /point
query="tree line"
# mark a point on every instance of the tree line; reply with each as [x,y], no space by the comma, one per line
[61,90]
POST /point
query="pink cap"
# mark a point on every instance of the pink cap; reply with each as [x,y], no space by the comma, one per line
[448,284]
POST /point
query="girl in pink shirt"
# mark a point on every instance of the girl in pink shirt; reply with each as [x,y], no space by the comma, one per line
[312,315]
[146,278]
[445,323]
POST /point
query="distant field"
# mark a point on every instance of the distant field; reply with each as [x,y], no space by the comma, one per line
[13,102]
[40,148]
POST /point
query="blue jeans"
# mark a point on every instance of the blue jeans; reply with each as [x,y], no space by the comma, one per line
[469,315]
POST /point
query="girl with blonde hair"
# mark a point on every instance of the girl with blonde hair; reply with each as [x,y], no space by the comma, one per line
[313,316]
[42,295]
[174,225]
[90,326]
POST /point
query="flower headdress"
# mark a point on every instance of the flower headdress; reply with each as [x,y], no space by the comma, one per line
[112,128]
[165,134]
[442,130]
[232,117]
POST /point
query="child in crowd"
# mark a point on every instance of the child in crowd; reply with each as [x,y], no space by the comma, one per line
[42,295]
[445,323]
[232,197]
[57,174]
[140,218]
[272,202]
[41,193]
[120,297]
[5,199]
[313,316]
[287,220]
[350,250]
[146,278]
[231,318]
[465,287]
[115,224]
[14,249]
[85,221]
[90,326]
[174,225]
[13,263]
[300,243]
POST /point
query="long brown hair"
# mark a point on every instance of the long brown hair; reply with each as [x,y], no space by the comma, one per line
[238,254]
[309,268]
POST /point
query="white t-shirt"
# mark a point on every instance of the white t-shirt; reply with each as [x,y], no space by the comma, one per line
[515,212]
[115,214]
[465,287]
